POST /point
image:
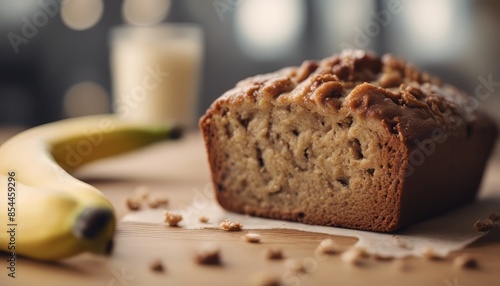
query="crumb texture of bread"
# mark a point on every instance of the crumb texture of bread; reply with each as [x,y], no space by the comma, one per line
[274,253]
[465,261]
[353,140]
[484,225]
[157,266]
[172,219]
[229,225]
[328,247]
[133,204]
[252,237]
[208,255]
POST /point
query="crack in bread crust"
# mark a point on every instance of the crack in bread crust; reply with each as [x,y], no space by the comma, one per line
[331,143]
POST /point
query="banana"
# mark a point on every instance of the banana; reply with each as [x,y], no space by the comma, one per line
[45,224]
[57,215]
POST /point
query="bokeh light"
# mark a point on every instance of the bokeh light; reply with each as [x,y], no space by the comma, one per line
[145,12]
[86,98]
[81,14]
[269,29]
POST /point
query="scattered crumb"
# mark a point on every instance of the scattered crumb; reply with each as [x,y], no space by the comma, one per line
[171,218]
[208,255]
[266,280]
[328,247]
[203,219]
[133,204]
[354,256]
[156,266]
[252,237]
[274,253]
[431,254]
[295,266]
[142,192]
[230,226]
[465,261]
[156,202]
[494,217]
[483,225]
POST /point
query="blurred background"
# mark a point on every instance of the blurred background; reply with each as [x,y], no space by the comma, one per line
[55,54]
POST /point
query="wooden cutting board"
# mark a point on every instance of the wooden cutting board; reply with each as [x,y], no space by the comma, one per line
[178,170]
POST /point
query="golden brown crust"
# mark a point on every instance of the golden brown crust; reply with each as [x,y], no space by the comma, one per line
[411,103]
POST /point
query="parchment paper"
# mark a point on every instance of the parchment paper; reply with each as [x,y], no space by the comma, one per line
[442,234]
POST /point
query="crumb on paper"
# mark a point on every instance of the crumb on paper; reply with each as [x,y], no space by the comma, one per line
[295,266]
[494,217]
[328,247]
[274,253]
[265,280]
[203,219]
[228,225]
[431,254]
[157,202]
[157,266]
[133,204]
[354,256]
[252,237]
[465,262]
[208,255]
[172,219]
[483,225]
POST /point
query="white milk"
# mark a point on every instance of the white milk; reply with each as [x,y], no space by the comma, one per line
[156,73]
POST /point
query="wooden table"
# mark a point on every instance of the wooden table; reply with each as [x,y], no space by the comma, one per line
[179,170]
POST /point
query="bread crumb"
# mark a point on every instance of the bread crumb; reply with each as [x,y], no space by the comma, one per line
[133,204]
[266,280]
[354,256]
[295,266]
[203,219]
[171,218]
[465,261]
[328,247]
[274,253]
[431,254]
[156,202]
[494,217]
[252,237]
[484,225]
[228,225]
[208,255]
[156,266]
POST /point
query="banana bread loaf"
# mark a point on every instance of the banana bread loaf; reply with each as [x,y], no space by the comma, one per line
[353,141]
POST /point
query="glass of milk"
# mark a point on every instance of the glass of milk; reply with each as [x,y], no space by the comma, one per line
[156,73]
